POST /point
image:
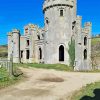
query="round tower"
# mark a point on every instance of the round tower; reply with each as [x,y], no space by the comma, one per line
[59,16]
[16,46]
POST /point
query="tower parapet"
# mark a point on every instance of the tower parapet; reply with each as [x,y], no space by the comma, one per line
[28,28]
[88,26]
[52,3]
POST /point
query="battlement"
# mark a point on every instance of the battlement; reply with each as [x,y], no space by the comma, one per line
[79,17]
[9,33]
[51,3]
[85,31]
[15,31]
[87,28]
[88,24]
[30,26]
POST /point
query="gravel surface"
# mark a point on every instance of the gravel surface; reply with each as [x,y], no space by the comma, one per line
[43,84]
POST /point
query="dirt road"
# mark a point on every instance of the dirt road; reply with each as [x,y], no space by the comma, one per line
[42,84]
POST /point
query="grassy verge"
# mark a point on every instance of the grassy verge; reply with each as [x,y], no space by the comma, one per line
[60,67]
[90,92]
[6,80]
[47,66]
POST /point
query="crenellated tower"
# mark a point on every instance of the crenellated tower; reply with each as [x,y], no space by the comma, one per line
[59,18]
[83,45]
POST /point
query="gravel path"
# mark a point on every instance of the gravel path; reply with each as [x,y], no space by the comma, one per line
[42,84]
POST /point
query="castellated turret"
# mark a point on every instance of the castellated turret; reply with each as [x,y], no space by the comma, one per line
[83,45]
[59,17]
[16,46]
[87,44]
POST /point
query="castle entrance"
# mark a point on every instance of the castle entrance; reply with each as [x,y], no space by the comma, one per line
[61,53]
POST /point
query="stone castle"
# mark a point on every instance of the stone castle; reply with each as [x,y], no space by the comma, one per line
[50,45]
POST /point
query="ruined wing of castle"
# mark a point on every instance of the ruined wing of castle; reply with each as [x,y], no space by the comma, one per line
[50,45]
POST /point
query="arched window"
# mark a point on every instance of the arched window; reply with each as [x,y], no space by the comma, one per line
[85,41]
[85,54]
[61,53]
[40,53]
[61,12]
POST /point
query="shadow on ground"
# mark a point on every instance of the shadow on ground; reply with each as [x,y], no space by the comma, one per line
[96,97]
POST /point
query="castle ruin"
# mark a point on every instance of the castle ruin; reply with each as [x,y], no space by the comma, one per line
[51,44]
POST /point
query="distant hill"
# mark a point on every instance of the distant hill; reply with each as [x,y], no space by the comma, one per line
[3,51]
[96,51]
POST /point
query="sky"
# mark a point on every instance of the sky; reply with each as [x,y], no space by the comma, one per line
[18,13]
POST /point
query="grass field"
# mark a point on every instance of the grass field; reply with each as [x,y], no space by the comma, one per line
[90,92]
[95,41]
[96,51]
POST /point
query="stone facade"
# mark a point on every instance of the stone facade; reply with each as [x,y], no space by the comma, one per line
[50,45]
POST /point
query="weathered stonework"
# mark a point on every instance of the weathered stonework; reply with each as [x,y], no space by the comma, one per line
[50,44]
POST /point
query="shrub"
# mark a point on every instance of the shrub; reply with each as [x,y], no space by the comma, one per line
[71,51]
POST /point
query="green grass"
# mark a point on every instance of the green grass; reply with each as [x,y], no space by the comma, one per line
[95,41]
[59,67]
[6,79]
[47,66]
[90,92]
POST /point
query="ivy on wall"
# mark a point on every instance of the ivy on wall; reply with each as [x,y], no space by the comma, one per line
[71,51]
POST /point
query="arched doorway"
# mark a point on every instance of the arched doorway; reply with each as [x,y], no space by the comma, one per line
[40,53]
[61,53]
[85,54]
